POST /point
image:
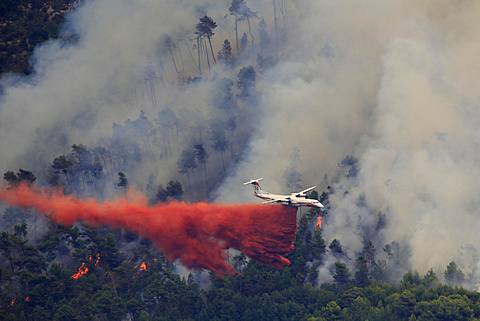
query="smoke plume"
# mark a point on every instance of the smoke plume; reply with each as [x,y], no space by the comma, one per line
[196,234]
[394,84]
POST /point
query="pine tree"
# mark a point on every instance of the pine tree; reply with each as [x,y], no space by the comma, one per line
[174,190]
[234,8]
[264,37]
[453,275]
[61,163]
[361,276]
[430,278]
[335,247]
[245,13]
[202,158]
[122,181]
[187,162]
[23,176]
[246,81]
[342,274]
[226,51]
[242,12]
[243,43]
[317,244]
[205,29]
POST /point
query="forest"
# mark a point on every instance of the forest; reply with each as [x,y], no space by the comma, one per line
[53,272]
[25,24]
[118,276]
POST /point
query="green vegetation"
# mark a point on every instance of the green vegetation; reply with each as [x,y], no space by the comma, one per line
[23,25]
[107,283]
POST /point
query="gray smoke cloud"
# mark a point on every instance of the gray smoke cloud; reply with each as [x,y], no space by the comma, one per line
[418,163]
[114,71]
[79,90]
[394,84]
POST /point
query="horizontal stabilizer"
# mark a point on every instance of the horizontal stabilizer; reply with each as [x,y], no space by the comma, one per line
[253,181]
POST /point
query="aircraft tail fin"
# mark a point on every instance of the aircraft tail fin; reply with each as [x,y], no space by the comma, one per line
[256,185]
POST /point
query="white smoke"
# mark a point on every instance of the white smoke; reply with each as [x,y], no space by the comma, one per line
[394,84]
[419,162]
[79,89]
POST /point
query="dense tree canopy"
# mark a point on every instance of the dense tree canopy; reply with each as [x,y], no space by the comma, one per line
[38,284]
[23,25]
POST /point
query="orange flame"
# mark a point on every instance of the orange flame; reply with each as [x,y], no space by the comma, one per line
[81,271]
[13,302]
[319,224]
[96,262]
[27,299]
[143,267]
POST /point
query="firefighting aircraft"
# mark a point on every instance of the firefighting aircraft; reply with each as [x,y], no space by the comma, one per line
[294,199]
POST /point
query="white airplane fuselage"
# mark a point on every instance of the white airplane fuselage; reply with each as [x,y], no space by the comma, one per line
[294,199]
[288,200]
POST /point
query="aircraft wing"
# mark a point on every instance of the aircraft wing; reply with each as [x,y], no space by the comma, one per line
[272,201]
[278,200]
[306,190]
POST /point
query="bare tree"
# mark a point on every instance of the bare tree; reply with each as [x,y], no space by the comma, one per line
[236,4]
[280,6]
[167,45]
[149,81]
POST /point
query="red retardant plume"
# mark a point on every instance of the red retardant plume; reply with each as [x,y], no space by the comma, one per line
[196,234]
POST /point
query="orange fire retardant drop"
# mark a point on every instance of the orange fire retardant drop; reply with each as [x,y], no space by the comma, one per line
[196,234]
[143,267]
